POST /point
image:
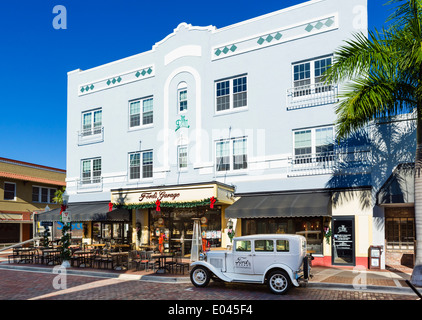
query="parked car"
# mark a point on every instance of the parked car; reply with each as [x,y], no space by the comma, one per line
[279,260]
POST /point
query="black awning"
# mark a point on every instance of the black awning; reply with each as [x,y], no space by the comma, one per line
[281,205]
[96,211]
[399,187]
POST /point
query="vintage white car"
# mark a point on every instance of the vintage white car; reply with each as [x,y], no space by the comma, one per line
[279,260]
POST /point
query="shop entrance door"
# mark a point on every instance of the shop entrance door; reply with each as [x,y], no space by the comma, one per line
[343,241]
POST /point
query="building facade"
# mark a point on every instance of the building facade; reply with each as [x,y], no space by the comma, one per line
[230,123]
[25,189]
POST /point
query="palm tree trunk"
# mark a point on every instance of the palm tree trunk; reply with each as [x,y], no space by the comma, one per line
[416,278]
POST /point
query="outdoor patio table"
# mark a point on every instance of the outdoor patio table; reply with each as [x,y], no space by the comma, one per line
[25,254]
[162,262]
[84,255]
[50,253]
[119,257]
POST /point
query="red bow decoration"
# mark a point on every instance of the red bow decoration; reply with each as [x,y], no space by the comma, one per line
[62,208]
[212,200]
[110,207]
[157,203]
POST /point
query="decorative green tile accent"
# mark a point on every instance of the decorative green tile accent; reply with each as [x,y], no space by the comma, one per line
[320,24]
[329,22]
[277,36]
[309,27]
[225,50]
[143,72]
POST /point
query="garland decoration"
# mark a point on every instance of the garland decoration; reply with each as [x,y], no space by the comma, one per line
[158,205]
[327,234]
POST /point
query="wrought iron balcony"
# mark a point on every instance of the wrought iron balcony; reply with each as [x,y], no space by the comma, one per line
[311,95]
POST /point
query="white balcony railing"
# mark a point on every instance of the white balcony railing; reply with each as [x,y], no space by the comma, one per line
[91,135]
[311,95]
[349,162]
[90,184]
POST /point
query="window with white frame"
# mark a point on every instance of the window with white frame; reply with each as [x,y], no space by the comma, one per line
[182,155]
[91,171]
[9,191]
[231,154]
[313,145]
[43,194]
[182,97]
[231,93]
[141,112]
[140,165]
[308,76]
[92,122]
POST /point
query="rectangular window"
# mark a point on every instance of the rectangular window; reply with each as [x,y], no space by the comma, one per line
[303,145]
[91,171]
[231,93]
[9,191]
[147,163]
[136,167]
[243,245]
[282,246]
[240,160]
[43,195]
[400,232]
[183,100]
[141,112]
[231,154]
[314,145]
[308,76]
[264,245]
[91,122]
[183,157]
[223,155]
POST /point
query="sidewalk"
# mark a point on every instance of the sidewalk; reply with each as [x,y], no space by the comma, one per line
[392,280]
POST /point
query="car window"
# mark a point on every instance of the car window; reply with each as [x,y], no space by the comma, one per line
[264,245]
[243,245]
[282,246]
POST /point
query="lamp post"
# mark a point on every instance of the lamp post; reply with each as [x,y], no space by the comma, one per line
[65,251]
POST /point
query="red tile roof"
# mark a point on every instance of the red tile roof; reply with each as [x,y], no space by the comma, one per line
[33,179]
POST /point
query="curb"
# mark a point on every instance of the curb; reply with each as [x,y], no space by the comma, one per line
[85,273]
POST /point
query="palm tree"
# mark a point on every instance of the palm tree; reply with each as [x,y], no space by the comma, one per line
[384,78]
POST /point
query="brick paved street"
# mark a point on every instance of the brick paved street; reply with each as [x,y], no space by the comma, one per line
[22,285]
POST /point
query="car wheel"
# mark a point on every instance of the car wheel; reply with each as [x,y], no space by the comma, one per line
[279,282]
[200,276]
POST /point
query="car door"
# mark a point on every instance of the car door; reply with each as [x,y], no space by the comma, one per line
[242,257]
[263,255]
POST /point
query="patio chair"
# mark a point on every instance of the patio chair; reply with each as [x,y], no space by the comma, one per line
[171,264]
[14,256]
[143,261]
[133,259]
[152,263]
[181,265]
[106,260]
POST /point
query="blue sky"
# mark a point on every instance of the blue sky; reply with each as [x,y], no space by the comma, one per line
[35,57]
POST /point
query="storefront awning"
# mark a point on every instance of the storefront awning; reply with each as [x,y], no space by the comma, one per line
[281,205]
[97,211]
